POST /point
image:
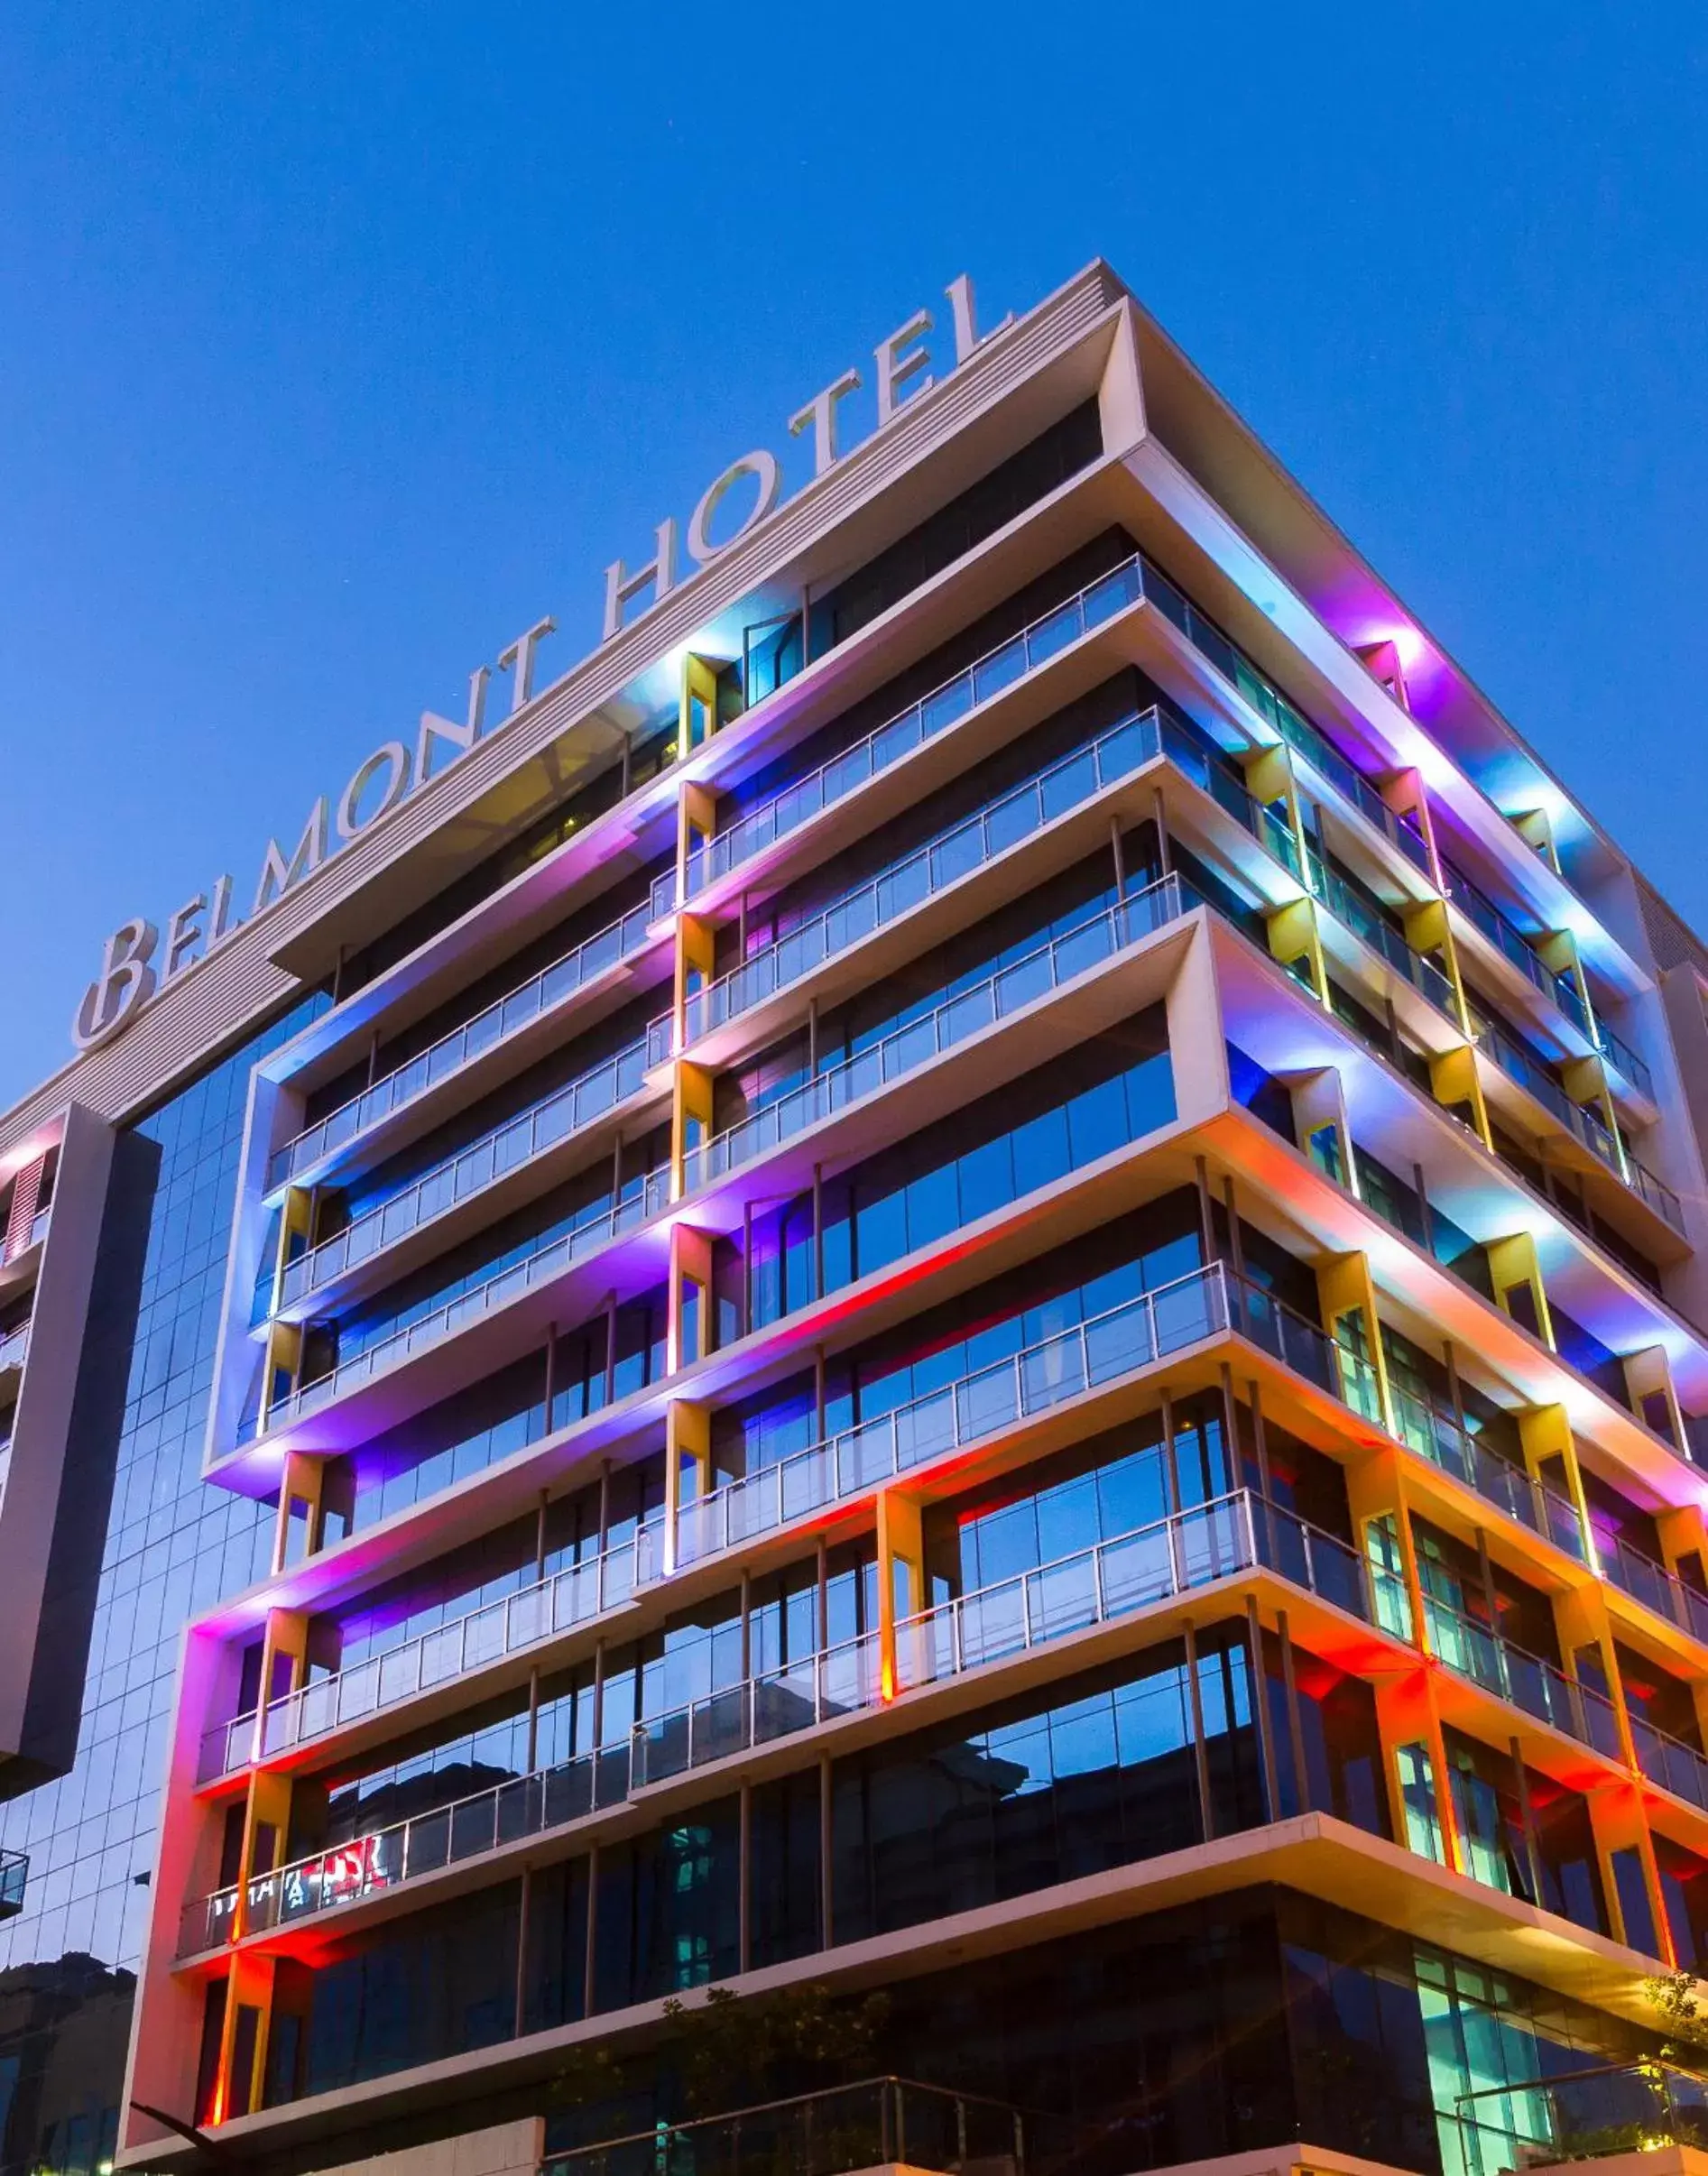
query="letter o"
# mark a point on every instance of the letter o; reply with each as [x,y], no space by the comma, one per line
[395,758]
[759,463]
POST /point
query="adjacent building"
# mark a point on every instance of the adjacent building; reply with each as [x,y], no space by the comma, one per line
[974,1273]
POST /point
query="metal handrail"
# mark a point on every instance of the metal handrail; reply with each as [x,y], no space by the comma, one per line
[1099,937]
[491,1155]
[805,797]
[856,914]
[494,1024]
[649,1201]
[1187,1550]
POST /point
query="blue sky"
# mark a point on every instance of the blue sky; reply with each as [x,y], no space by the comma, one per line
[337,344]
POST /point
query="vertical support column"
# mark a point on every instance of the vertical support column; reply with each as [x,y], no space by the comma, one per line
[1428,929]
[300,1506]
[1269,777]
[242,2044]
[1321,1126]
[697,718]
[1545,1436]
[1535,829]
[1516,1274]
[1618,1820]
[687,1455]
[1347,1296]
[688,1326]
[697,823]
[901,1580]
[1649,1385]
[1454,1084]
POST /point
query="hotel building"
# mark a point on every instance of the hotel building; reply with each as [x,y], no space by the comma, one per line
[972,1275]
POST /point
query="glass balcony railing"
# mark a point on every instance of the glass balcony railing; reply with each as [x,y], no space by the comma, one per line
[1438,1436]
[969,1012]
[977,1406]
[1657,1589]
[859,914]
[505,1148]
[39,1226]
[1474,1650]
[1189,1550]
[878,2122]
[519,1008]
[1584,2114]
[520,1621]
[1355,788]
[1094,1586]
[972,1408]
[1378,935]
[1514,946]
[1620,1055]
[14,1347]
[648,1199]
[843,774]
[1670,1764]
[1528,1074]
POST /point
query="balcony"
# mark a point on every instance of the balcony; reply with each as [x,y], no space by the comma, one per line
[1652,1585]
[1351,784]
[15,1874]
[970,1012]
[649,1199]
[14,1347]
[1034,646]
[521,1009]
[1188,1551]
[945,861]
[1582,1125]
[474,1170]
[882,2122]
[1095,1358]
[1526,1681]
[1516,949]
[1670,1764]
[1376,934]
[1588,2114]
[1440,1437]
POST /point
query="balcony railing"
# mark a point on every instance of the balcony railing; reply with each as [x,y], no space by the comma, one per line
[1353,787]
[528,1619]
[1511,942]
[1529,1074]
[1671,1764]
[858,914]
[495,1024]
[1373,931]
[1189,1550]
[649,1200]
[1620,1055]
[1657,1589]
[493,1155]
[1440,1438]
[969,1012]
[15,1874]
[945,705]
[1581,2115]
[1474,1652]
[15,1348]
[873,2125]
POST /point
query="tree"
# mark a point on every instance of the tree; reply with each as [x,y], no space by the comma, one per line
[733,2049]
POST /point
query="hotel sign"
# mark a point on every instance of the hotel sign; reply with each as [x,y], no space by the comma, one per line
[139,960]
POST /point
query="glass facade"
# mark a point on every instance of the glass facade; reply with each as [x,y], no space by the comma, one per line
[173,1547]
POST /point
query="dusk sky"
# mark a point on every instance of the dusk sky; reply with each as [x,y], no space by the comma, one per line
[339,344]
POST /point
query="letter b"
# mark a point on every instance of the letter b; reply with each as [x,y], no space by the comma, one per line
[127,980]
